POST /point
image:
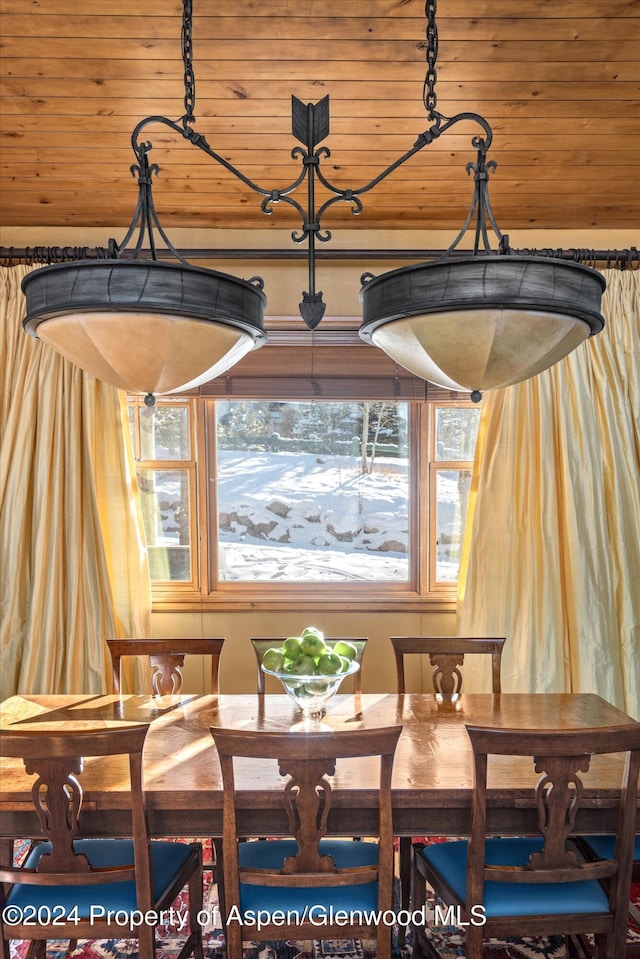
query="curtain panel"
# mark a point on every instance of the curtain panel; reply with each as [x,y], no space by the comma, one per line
[552,547]
[74,565]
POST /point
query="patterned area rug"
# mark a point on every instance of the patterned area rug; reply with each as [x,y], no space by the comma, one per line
[448,940]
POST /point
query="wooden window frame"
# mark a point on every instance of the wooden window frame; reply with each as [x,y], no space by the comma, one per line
[332,365]
[178,589]
[314,595]
[439,587]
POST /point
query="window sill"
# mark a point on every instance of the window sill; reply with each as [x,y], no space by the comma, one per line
[312,600]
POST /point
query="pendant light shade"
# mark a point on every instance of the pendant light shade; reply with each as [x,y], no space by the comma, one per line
[481,323]
[142,325]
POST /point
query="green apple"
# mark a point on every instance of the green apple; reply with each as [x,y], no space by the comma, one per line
[312,631]
[347,650]
[303,666]
[273,659]
[313,645]
[315,689]
[345,664]
[330,663]
[291,647]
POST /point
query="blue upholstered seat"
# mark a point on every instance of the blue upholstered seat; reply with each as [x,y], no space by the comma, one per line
[167,858]
[270,854]
[514,899]
[604,846]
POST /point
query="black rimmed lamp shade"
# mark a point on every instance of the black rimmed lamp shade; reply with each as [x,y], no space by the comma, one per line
[142,325]
[481,322]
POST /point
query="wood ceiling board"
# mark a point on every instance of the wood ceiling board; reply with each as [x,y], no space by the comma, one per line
[560,83]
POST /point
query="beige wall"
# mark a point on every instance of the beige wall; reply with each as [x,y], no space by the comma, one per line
[238,664]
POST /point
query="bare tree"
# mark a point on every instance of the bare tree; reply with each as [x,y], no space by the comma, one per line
[378,412]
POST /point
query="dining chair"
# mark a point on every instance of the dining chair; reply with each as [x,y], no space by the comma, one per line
[75,887]
[308,876]
[166,659]
[537,885]
[603,847]
[261,645]
[446,654]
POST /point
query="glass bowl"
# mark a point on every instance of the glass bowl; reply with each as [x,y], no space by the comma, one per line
[312,693]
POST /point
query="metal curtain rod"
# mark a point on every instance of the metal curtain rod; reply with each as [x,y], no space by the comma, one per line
[10,255]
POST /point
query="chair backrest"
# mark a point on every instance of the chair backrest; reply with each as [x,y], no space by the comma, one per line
[57,759]
[261,645]
[308,760]
[166,658]
[446,654]
[559,756]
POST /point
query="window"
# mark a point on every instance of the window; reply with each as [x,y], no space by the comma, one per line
[312,492]
[452,440]
[342,502]
[164,451]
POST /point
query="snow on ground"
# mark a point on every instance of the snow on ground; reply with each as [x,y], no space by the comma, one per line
[287,517]
[292,516]
[290,564]
[300,516]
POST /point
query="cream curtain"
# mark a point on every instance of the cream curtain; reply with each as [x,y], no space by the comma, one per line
[74,566]
[552,551]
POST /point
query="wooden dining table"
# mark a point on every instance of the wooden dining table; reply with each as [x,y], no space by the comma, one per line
[432,777]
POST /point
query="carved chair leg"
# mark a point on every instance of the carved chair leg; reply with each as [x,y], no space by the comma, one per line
[577,947]
[6,850]
[195,906]
[600,940]
[405,865]
[233,941]
[219,874]
[211,866]
[383,942]
[423,948]
[418,895]
[37,949]
[474,949]
[146,942]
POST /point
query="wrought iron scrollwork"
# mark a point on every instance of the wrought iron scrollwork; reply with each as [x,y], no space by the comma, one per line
[310,125]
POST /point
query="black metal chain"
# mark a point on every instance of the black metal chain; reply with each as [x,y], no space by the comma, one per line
[187,59]
[429,91]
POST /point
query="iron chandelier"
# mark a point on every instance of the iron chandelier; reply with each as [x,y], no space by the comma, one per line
[473,323]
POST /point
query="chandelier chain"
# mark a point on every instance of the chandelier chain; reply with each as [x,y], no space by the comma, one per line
[187,60]
[429,94]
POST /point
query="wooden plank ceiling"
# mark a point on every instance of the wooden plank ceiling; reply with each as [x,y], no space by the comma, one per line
[559,80]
